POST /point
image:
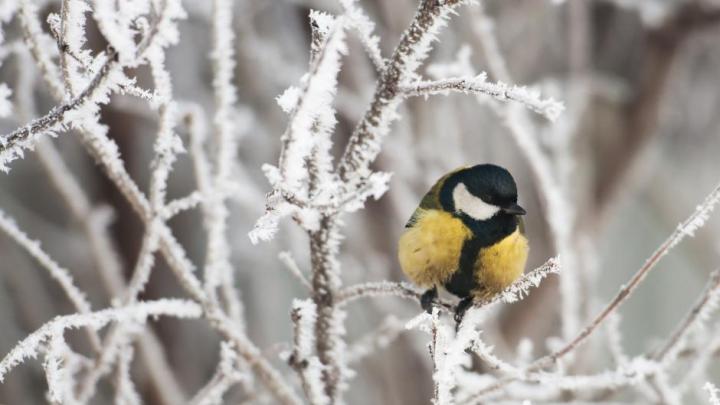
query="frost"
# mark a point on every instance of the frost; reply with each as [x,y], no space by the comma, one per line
[529,98]
[302,358]
[697,219]
[117,23]
[362,24]
[94,56]
[30,346]
[314,118]
[520,289]
[61,275]
[289,99]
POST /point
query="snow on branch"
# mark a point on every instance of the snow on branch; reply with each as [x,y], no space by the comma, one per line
[302,359]
[126,393]
[136,313]
[312,113]
[224,378]
[549,108]
[107,76]
[13,144]
[377,339]
[218,269]
[305,162]
[448,350]
[383,288]
[364,27]
[521,287]
[515,292]
[413,49]
[61,275]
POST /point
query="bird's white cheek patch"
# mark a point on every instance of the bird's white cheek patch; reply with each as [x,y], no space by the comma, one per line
[471,205]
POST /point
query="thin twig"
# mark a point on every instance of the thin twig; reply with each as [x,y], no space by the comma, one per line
[549,108]
[292,266]
[384,288]
[707,302]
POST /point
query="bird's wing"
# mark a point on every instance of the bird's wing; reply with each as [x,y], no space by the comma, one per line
[431,200]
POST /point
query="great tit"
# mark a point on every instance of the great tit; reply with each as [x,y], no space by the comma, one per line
[466,236]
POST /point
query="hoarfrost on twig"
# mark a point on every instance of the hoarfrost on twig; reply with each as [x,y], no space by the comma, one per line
[531,99]
[140,312]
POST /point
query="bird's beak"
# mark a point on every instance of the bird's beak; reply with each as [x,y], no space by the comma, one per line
[514,209]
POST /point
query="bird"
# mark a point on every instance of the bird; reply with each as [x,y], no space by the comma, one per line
[466,236]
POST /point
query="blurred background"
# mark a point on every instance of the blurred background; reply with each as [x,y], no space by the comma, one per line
[639,149]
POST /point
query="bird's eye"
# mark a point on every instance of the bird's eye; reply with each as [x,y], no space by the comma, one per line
[471,205]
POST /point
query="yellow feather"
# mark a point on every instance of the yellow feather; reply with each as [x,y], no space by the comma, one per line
[429,251]
[499,265]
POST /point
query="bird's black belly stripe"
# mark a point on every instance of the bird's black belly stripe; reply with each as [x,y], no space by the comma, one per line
[463,280]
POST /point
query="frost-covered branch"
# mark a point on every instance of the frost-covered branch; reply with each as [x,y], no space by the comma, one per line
[61,275]
[302,359]
[140,235]
[388,331]
[413,49]
[292,266]
[224,378]
[687,228]
[448,352]
[218,270]
[136,313]
[125,391]
[160,33]
[381,288]
[552,170]
[519,289]
[530,99]
[13,144]
[364,27]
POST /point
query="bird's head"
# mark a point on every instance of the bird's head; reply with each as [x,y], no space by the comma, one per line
[480,193]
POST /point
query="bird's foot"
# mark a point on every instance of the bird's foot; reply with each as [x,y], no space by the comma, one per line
[429,299]
[460,310]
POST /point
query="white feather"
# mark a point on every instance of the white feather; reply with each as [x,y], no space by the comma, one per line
[473,206]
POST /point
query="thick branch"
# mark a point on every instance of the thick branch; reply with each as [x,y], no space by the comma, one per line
[12,140]
[364,143]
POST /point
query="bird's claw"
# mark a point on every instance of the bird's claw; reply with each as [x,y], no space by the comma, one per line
[460,310]
[429,299]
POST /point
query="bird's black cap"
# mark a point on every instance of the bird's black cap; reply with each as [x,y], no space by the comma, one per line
[492,183]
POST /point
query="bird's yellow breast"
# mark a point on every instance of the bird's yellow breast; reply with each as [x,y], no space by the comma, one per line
[499,265]
[429,254]
[429,251]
